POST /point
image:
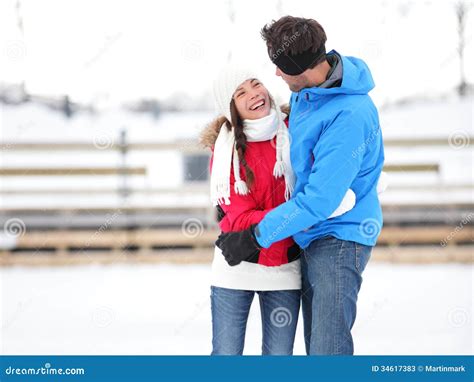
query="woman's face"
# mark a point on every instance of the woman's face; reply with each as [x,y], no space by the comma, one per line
[252,100]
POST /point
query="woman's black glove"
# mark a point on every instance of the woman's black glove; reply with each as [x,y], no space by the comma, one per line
[294,253]
[239,246]
[220,213]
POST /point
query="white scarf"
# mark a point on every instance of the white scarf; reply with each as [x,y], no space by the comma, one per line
[225,155]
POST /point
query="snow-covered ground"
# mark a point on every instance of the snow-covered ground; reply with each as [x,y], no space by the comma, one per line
[164,309]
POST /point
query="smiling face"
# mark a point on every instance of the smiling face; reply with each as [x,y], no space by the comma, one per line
[252,100]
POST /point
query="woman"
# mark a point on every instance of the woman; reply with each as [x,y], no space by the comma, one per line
[250,175]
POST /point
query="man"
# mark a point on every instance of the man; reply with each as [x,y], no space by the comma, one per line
[336,144]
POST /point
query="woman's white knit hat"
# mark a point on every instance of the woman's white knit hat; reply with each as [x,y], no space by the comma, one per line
[225,152]
[225,85]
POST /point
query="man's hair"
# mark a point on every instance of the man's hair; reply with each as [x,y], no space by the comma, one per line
[294,35]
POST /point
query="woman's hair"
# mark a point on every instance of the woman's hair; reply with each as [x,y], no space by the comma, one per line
[240,142]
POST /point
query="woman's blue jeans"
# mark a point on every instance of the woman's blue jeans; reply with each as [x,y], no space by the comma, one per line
[230,310]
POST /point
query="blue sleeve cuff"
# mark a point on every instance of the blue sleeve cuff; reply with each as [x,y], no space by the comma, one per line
[258,236]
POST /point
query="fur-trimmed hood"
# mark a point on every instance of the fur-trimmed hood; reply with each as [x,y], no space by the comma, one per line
[209,135]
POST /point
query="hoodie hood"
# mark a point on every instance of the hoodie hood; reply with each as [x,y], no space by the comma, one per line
[356,78]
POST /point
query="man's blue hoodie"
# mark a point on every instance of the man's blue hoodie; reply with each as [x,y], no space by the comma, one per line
[336,144]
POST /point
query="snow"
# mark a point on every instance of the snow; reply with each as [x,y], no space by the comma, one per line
[428,118]
[165,309]
[32,122]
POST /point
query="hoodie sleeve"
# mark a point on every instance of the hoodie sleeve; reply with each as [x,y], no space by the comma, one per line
[338,157]
[242,212]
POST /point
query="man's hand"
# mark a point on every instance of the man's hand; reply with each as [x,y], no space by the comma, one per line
[239,246]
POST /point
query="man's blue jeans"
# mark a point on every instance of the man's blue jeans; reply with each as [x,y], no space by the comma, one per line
[332,276]
[230,310]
